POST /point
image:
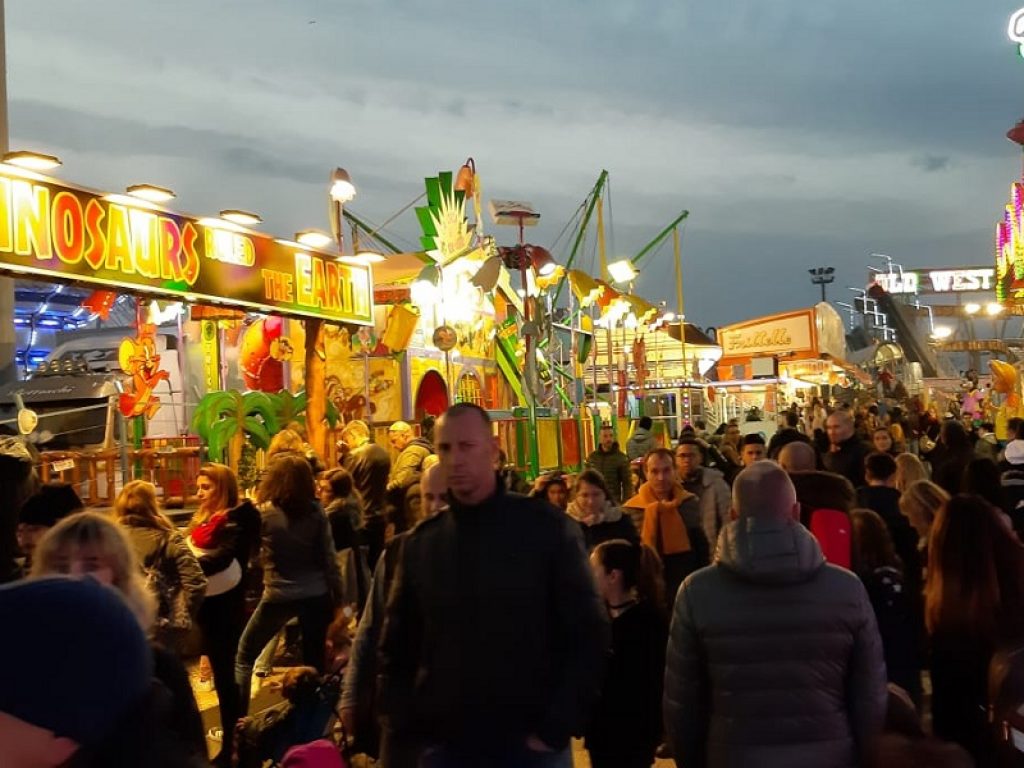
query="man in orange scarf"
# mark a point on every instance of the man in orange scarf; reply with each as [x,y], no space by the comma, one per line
[669,521]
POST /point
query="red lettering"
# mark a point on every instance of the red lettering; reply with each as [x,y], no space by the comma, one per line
[119,240]
[68,230]
[94,213]
[170,249]
[190,264]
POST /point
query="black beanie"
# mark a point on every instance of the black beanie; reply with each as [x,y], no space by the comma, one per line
[49,505]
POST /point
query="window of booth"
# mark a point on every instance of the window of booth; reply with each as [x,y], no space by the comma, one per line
[469,389]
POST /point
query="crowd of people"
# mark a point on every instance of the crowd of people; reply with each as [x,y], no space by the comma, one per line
[807,599]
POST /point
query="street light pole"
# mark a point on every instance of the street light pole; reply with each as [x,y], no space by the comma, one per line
[822,276]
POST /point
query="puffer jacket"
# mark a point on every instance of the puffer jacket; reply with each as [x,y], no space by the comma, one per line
[715,503]
[612,524]
[614,468]
[774,657]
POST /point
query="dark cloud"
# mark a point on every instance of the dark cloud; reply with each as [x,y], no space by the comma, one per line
[931,163]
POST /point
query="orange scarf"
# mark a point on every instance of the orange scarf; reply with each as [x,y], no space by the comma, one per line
[663,525]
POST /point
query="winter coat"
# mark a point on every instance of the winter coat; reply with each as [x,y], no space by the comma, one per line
[167,551]
[615,469]
[627,719]
[370,467]
[774,657]
[715,503]
[612,524]
[298,555]
[409,465]
[640,443]
[677,564]
[494,629]
[848,461]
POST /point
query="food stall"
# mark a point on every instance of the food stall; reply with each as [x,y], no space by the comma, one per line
[770,362]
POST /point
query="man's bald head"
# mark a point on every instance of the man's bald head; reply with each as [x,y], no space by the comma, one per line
[764,490]
[433,488]
[798,457]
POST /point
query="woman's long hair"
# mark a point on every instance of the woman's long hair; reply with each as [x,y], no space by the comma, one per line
[137,505]
[909,470]
[975,581]
[640,567]
[288,484]
[921,501]
[872,544]
[102,538]
[225,495]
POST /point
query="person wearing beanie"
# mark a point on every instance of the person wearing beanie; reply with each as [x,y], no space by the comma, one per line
[41,511]
[79,663]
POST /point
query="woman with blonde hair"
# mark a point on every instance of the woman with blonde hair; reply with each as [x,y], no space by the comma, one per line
[222,539]
[920,503]
[93,545]
[172,572]
[909,469]
[89,544]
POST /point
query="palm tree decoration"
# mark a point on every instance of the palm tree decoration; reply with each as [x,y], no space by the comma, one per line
[225,420]
[292,407]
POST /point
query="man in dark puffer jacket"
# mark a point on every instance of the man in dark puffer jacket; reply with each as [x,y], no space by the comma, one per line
[774,657]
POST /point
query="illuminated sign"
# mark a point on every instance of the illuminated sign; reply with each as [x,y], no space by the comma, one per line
[54,231]
[921,281]
[1010,249]
[1015,30]
[783,334]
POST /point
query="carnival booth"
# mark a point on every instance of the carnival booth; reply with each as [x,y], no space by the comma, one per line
[770,362]
[147,336]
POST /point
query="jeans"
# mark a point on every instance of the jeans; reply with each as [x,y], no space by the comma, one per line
[221,619]
[314,614]
[442,757]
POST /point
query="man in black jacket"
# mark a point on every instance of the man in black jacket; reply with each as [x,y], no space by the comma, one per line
[495,639]
[370,466]
[613,464]
[846,451]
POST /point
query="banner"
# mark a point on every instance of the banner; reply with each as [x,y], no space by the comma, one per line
[54,231]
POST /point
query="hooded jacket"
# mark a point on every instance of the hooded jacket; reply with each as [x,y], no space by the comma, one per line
[166,551]
[639,444]
[614,468]
[612,524]
[774,658]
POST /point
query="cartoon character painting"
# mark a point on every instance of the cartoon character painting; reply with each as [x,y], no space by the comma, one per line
[139,359]
[262,355]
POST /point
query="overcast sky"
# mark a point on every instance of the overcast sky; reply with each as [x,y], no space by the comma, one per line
[797,133]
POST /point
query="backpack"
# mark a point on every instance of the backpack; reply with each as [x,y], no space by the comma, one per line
[163,583]
[1006,706]
[833,531]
